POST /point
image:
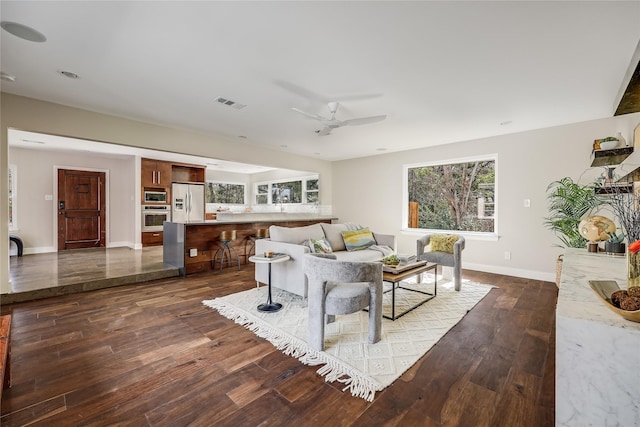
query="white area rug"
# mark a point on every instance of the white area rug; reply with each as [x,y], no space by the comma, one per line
[348,358]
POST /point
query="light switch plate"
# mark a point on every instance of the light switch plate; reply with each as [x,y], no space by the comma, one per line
[193,252]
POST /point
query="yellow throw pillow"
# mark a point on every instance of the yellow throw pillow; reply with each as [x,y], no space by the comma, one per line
[355,240]
[443,242]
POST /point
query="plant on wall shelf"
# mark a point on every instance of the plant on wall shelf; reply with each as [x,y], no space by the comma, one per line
[569,202]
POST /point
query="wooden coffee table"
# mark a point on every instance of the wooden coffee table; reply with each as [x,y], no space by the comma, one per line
[395,276]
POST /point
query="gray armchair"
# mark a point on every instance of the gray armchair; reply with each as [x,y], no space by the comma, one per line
[341,287]
[443,258]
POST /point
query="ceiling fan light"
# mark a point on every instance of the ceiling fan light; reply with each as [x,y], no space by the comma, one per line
[23,32]
[7,77]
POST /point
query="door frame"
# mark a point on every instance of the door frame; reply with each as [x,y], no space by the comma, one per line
[107,240]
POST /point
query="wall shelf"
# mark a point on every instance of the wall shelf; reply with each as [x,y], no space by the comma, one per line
[612,157]
[615,187]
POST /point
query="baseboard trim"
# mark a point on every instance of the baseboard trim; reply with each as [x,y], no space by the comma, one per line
[40,250]
[120,244]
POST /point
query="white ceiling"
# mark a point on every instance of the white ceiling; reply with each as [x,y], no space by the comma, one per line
[441,71]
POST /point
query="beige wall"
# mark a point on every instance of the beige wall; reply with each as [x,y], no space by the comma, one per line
[370,190]
[38,116]
[37,217]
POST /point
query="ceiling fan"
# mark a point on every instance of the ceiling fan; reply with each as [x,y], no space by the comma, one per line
[333,123]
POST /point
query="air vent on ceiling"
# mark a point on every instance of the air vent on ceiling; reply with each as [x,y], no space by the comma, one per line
[230,103]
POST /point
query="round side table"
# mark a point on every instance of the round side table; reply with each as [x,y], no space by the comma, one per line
[269,306]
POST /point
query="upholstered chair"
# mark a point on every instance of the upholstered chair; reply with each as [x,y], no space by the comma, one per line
[341,287]
[442,258]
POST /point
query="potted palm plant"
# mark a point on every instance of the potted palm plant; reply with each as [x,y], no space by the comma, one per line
[569,202]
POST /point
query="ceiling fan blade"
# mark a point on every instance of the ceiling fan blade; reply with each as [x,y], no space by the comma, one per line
[311,116]
[363,120]
[325,131]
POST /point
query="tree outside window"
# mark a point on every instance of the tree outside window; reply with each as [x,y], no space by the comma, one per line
[224,193]
[286,192]
[457,196]
[304,190]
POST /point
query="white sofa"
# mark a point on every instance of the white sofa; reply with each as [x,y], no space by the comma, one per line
[292,241]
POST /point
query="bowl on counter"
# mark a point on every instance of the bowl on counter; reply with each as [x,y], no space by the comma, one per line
[604,289]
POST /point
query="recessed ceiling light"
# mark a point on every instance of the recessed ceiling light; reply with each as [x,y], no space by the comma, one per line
[7,77]
[284,146]
[381,149]
[22,31]
[505,123]
[242,137]
[68,74]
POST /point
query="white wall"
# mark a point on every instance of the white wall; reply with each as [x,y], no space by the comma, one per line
[369,190]
[37,222]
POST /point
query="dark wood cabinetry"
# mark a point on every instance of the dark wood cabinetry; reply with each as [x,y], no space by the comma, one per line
[155,173]
[158,175]
[187,173]
[152,238]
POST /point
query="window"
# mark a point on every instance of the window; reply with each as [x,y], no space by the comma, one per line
[286,192]
[13,177]
[299,190]
[262,194]
[454,196]
[225,193]
[311,194]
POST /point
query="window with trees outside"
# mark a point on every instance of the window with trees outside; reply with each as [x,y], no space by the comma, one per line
[13,176]
[297,190]
[225,193]
[457,196]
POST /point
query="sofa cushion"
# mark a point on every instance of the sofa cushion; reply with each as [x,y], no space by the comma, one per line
[357,240]
[366,255]
[295,235]
[443,242]
[333,233]
[320,246]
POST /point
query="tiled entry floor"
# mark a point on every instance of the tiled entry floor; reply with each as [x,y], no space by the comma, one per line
[42,275]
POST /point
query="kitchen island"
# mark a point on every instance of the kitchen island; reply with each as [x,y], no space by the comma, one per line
[191,246]
[597,375]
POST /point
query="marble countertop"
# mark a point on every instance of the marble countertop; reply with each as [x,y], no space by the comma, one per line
[577,300]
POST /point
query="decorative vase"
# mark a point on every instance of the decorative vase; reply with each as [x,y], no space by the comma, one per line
[621,141]
[633,263]
[614,248]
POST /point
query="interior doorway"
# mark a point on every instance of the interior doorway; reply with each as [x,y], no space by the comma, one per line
[81,209]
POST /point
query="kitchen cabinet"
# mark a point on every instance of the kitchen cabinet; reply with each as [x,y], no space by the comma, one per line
[187,173]
[155,174]
[152,238]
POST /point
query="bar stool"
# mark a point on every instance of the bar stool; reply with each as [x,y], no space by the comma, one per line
[261,233]
[226,253]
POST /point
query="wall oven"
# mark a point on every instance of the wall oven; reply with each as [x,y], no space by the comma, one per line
[155,197]
[154,215]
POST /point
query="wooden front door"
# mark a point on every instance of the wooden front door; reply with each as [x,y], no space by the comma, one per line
[81,209]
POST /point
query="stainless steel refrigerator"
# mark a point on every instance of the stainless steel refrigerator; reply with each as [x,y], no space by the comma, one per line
[187,202]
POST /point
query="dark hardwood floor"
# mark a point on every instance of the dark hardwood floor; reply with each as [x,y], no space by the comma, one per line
[152,355]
